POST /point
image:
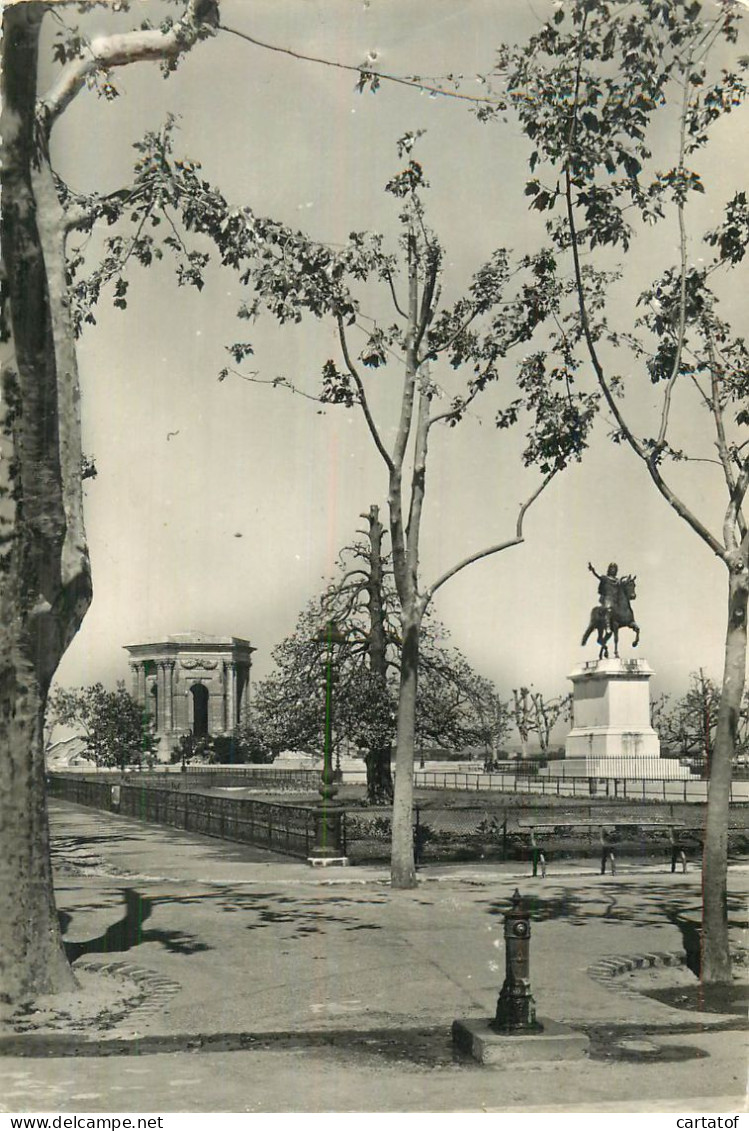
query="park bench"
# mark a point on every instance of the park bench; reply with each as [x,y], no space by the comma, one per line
[681,840]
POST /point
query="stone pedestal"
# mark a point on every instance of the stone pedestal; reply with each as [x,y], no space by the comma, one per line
[553,1041]
[611,734]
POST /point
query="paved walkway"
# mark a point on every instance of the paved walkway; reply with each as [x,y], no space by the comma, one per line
[276,987]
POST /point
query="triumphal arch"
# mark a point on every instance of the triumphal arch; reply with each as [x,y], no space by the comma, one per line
[192,683]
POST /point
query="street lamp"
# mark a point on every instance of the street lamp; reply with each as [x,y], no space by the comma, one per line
[328,848]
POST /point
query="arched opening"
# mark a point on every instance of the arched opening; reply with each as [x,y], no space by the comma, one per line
[199,694]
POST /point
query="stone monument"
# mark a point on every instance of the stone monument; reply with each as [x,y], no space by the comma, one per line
[612,735]
[191,683]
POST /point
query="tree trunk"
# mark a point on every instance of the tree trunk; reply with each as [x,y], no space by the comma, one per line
[45,585]
[402,867]
[716,959]
[379,776]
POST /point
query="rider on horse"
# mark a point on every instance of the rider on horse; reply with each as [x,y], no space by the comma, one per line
[608,592]
[614,609]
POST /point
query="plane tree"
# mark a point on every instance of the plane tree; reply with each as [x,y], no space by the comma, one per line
[438,356]
[619,102]
[533,713]
[454,707]
[45,576]
[688,725]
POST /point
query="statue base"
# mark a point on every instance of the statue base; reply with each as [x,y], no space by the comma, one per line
[612,736]
[648,769]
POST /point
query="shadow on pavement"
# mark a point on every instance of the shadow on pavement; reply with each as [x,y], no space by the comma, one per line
[128,932]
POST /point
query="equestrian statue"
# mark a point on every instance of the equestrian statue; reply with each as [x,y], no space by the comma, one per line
[614,610]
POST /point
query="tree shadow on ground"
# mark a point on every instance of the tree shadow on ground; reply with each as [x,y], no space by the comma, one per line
[128,932]
[305,916]
[656,905]
[266,909]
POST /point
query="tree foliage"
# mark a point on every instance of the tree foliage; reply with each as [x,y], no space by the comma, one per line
[688,725]
[456,707]
[116,729]
[248,744]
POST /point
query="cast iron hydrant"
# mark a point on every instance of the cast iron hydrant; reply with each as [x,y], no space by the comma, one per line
[516,1009]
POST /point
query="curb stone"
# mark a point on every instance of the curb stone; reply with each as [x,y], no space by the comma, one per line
[607,969]
[154,989]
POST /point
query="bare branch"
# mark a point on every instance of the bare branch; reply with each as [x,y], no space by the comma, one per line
[363,72]
[713,403]
[734,517]
[490,550]
[373,430]
[276,382]
[683,510]
[396,304]
[418,473]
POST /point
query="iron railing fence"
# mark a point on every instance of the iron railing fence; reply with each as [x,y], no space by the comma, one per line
[277,780]
[625,788]
[288,829]
[442,834]
[262,778]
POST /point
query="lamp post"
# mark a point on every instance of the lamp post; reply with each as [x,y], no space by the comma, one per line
[328,834]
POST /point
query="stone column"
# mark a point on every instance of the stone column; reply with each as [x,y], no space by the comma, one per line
[215,707]
[135,681]
[162,697]
[233,697]
[169,696]
[140,683]
[243,692]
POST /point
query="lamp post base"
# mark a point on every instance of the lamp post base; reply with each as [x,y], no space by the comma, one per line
[552,1041]
[329,847]
[325,861]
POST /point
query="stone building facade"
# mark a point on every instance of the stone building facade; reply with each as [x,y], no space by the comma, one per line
[192,683]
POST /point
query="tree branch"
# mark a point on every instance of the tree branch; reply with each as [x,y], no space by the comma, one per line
[648,458]
[109,51]
[276,382]
[363,71]
[713,403]
[734,517]
[682,266]
[418,474]
[396,304]
[489,551]
[373,430]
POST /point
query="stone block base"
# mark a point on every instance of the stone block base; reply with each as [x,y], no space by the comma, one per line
[556,1042]
[612,742]
[328,861]
[621,767]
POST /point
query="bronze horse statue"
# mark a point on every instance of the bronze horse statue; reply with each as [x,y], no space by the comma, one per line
[607,621]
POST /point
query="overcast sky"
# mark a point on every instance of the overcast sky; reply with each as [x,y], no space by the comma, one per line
[221,506]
